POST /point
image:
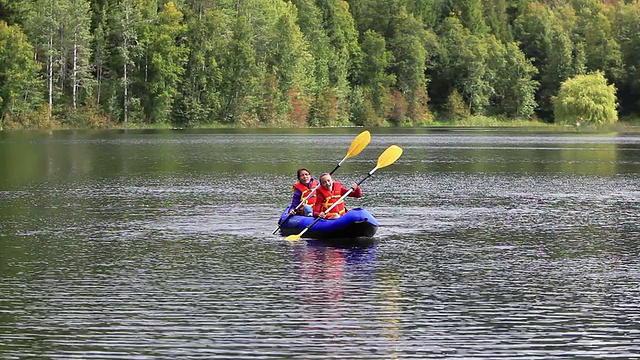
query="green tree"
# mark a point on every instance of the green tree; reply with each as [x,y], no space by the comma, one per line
[375,77]
[310,23]
[594,30]
[14,12]
[19,84]
[514,87]
[469,12]
[625,21]
[545,35]
[124,24]
[239,62]
[42,26]
[405,40]
[497,20]
[163,62]
[79,22]
[198,100]
[586,99]
[289,60]
[340,26]
[426,11]
[532,29]
[456,109]
[462,63]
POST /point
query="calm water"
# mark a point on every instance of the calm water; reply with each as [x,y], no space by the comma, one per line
[157,244]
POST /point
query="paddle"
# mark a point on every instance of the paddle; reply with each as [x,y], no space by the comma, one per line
[387,158]
[357,145]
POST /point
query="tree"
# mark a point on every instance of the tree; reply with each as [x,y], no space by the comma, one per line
[162,63]
[594,30]
[239,62]
[100,55]
[340,26]
[545,35]
[289,60]
[462,63]
[407,47]
[625,20]
[80,43]
[14,12]
[469,12]
[586,99]
[310,22]
[497,21]
[43,26]
[514,87]
[375,77]
[198,100]
[19,83]
[124,19]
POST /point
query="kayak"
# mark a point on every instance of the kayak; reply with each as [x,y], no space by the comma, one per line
[354,224]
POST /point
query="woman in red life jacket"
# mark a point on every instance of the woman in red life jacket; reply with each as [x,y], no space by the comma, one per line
[301,189]
[328,193]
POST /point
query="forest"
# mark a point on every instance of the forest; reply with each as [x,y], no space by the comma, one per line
[298,63]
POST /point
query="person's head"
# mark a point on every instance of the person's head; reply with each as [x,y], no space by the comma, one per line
[326,181]
[304,176]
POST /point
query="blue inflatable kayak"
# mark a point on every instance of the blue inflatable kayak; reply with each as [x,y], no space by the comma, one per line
[356,223]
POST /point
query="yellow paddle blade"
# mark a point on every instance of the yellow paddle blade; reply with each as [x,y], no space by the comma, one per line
[293,237]
[389,156]
[359,143]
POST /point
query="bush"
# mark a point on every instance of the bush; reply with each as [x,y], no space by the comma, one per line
[457,109]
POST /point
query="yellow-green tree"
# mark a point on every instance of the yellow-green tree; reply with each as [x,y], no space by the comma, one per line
[586,99]
[20,88]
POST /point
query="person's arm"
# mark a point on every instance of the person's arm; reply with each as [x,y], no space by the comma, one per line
[295,200]
[357,192]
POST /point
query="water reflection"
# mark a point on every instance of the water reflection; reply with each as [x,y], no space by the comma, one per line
[158,245]
[323,269]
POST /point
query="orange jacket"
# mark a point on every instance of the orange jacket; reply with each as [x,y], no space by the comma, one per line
[326,198]
[304,191]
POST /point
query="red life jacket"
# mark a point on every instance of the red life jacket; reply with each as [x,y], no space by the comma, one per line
[311,201]
[330,197]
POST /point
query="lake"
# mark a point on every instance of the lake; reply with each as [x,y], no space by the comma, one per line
[493,243]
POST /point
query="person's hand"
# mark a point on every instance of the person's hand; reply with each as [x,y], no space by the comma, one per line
[354,186]
[322,215]
[292,212]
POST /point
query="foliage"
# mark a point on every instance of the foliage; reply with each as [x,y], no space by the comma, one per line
[512,79]
[375,78]
[193,63]
[456,107]
[20,88]
[324,111]
[625,22]
[586,99]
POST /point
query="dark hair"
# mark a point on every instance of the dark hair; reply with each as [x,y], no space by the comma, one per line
[301,170]
[323,174]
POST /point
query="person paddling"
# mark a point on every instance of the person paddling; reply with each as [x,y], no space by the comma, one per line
[328,193]
[301,190]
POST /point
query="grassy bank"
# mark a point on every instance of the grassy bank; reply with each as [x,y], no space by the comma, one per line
[624,125]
